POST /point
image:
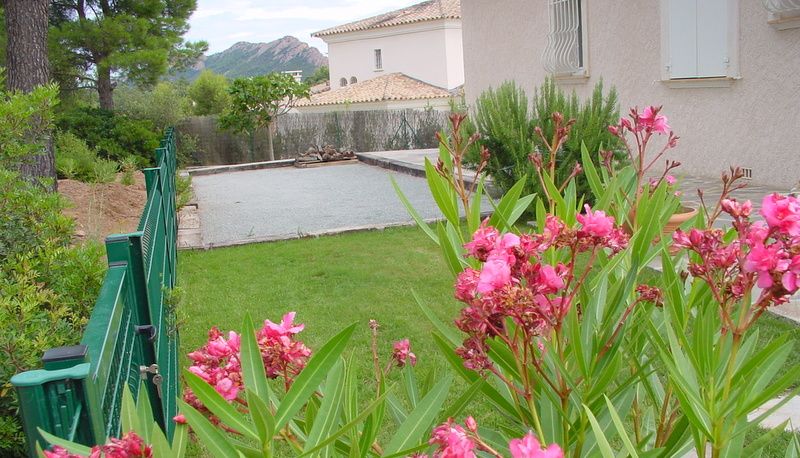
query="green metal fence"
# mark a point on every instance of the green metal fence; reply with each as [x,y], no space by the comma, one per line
[130,339]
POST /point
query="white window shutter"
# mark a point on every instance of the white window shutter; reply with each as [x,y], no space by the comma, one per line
[712,38]
[683,38]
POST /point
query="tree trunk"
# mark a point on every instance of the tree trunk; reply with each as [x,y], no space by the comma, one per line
[104,88]
[28,67]
[270,151]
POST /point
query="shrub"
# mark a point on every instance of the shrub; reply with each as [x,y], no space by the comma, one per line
[128,166]
[73,157]
[112,136]
[162,105]
[104,171]
[209,93]
[507,123]
[48,288]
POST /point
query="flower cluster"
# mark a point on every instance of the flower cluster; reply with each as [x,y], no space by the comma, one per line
[218,362]
[764,253]
[130,446]
[455,441]
[513,282]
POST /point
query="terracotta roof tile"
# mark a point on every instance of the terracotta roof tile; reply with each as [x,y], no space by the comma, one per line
[425,11]
[392,86]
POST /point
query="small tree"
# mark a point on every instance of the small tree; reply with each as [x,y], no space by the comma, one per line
[209,93]
[320,75]
[257,101]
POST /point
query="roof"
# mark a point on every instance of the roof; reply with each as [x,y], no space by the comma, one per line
[392,86]
[426,11]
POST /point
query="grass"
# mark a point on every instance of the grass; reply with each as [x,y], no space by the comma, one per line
[334,281]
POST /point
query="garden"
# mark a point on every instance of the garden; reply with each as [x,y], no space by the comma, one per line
[577,319]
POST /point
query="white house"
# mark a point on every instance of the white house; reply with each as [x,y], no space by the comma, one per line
[414,53]
[726,71]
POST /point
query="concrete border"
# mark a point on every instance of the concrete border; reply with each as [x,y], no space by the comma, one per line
[214,169]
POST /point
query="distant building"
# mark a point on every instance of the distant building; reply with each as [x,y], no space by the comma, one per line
[296,74]
[414,55]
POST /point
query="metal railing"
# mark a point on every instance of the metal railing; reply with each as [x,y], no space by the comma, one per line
[130,338]
[563,53]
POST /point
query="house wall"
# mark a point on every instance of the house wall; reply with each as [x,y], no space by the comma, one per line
[429,51]
[755,122]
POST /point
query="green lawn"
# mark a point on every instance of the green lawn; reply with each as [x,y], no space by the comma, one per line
[334,281]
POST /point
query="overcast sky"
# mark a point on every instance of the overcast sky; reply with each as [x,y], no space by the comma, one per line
[224,22]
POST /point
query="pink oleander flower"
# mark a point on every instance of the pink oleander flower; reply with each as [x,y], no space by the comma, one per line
[651,121]
[483,241]
[286,328]
[495,274]
[596,223]
[179,419]
[402,354]
[782,213]
[467,284]
[735,208]
[529,447]
[130,446]
[763,260]
[452,440]
[791,278]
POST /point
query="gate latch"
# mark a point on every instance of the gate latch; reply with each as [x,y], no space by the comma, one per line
[158,379]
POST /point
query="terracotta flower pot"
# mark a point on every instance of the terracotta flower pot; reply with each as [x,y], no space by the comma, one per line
[681,216]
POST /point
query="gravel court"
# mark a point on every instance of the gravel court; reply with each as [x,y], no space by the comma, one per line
[288,202]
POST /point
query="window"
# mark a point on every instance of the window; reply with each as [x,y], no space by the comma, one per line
[353,80]
[564,53]
[699,38]
[343,82]
[378,60]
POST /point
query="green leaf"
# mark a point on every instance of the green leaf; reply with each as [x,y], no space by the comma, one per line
[413,212]
[144,412]
[445,330]
[128,416]
[311,376]
[764,439]
[602,442]
[623,434]
[180,438]
[442,193]
[253,373]
[419,421]
[410,384]
[209,435]
[214,402]
[71,447]
[262,418]
[507,203]
[474,214]
[449,248]
[161,447]
[363,414]
[329,412]
[456,407]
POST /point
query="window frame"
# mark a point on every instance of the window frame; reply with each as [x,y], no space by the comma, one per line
[732,72]
[582,74]
[342,82]
[378,59]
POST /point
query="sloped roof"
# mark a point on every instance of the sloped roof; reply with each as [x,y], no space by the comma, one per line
[392,86]
[425,11]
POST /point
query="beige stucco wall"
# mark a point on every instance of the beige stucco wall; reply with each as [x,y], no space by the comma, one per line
[753,123]
[429,51]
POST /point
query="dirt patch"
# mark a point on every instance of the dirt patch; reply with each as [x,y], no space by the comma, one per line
[100,209]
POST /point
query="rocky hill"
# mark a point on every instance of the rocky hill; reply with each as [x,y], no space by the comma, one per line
[251,59]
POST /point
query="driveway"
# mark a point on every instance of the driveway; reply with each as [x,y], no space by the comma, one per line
[287,202]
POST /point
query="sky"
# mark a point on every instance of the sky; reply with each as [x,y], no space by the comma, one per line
[224,22]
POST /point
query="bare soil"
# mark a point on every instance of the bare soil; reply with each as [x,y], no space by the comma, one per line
[101,209]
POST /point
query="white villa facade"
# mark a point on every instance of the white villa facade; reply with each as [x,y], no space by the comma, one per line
[726,71]
[415,52]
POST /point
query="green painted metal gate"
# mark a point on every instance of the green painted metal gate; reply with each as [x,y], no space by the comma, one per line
[131,337]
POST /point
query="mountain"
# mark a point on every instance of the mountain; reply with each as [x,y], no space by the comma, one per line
[251,59]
